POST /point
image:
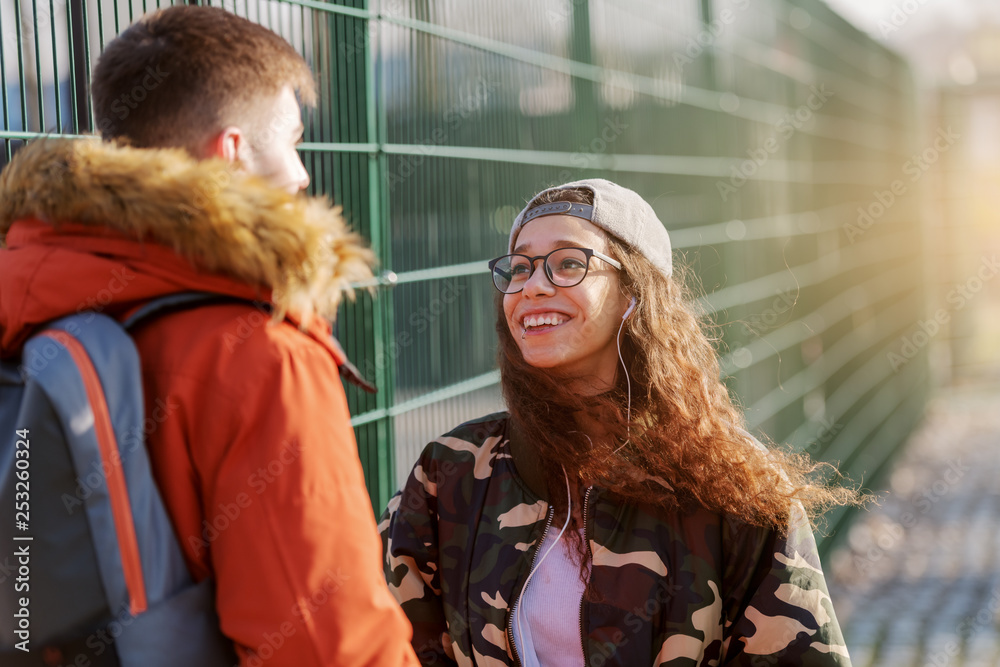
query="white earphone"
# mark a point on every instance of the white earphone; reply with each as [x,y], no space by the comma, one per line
[631,307]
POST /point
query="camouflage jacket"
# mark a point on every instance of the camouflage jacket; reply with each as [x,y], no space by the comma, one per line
[678,589]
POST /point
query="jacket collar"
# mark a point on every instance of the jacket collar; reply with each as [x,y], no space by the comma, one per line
[222,221]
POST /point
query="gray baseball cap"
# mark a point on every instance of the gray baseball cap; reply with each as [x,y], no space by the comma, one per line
[617,210]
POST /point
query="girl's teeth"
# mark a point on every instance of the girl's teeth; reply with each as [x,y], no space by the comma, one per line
[551,320]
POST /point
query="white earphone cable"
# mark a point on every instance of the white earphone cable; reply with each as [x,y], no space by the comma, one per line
[524,589]
[628,384]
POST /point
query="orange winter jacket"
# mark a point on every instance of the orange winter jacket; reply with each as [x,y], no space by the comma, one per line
[247,422]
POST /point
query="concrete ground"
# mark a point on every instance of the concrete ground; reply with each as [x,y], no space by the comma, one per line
[917,582]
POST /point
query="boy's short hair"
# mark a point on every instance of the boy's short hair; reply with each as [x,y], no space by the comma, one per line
[179,76]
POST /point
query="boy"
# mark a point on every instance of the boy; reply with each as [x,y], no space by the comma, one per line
[248,431]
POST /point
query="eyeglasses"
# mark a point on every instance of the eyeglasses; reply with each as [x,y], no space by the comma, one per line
[564,267]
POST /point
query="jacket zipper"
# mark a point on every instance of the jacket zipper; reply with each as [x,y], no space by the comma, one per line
[590,557]
[513,607]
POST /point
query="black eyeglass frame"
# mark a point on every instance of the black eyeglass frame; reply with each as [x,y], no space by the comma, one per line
[588,252]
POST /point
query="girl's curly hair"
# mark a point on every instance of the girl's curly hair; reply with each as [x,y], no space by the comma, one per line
[686,442]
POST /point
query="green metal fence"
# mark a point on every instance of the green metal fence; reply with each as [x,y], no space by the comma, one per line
[767,134]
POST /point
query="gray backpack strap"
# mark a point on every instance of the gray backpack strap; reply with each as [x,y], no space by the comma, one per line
[182,300]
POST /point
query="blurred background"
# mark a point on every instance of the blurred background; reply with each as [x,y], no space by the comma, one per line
[829,171]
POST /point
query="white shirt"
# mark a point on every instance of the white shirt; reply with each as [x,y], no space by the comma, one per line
[549,609]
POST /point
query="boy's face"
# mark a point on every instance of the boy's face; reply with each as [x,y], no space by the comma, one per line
[270,151]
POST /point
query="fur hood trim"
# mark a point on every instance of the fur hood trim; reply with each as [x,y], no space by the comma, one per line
[222,220]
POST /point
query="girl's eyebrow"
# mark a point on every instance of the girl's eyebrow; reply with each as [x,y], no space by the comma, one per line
[562,243]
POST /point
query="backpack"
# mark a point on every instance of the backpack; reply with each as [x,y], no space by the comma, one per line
[91,572]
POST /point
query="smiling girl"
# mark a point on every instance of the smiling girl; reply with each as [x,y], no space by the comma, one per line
[617,513]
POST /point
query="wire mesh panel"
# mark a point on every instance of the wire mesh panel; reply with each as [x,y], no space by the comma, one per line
[47,55]
[770,137]
[767,136]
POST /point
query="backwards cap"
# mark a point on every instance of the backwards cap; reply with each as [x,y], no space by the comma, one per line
[617,210]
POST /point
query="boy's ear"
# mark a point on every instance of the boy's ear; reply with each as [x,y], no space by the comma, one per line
[230,145]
